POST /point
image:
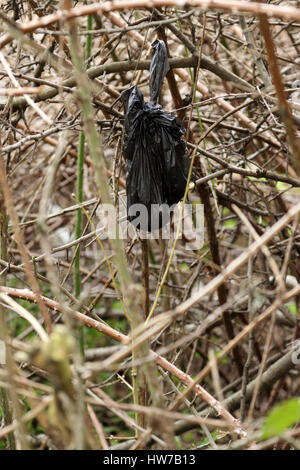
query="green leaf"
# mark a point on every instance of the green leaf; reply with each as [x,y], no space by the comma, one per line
[293,308]
[184,267]
[281,417]
[230,223]
[282,186]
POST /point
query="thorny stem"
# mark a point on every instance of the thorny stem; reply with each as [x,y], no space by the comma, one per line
[79,196]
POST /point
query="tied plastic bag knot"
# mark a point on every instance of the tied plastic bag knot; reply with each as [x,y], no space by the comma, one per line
[155,152]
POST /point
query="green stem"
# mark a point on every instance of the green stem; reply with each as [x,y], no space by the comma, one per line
[78,223]
[79,194]
[89,37]
[4,402]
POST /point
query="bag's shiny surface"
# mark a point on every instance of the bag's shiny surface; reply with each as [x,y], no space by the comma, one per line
[156,156]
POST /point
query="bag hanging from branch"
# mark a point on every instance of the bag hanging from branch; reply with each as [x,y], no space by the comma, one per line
[155,152]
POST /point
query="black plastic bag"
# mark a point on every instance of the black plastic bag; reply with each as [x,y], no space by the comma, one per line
[156,156]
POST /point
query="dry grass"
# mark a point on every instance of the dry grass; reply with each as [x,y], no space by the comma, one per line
[85,368]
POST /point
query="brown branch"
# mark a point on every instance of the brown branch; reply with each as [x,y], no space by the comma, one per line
[123,66]
[275,372]
[8,199]
[107,330]
[283,104]
[238,262]
[185,77]
[204,194]
[232,6]
[20,91]
[250,327]
[268,378]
